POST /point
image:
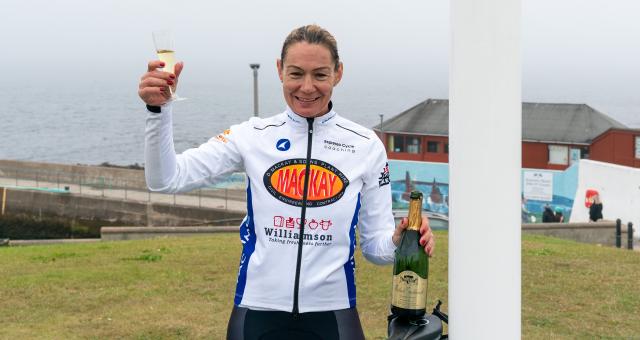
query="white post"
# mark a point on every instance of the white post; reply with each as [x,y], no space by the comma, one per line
[485,119]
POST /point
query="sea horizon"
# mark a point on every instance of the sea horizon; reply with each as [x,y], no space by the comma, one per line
[102,123]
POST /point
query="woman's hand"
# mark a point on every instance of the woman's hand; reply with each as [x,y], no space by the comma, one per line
[427,240]
[154,85]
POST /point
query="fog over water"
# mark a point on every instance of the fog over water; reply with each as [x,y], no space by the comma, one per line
[71,70]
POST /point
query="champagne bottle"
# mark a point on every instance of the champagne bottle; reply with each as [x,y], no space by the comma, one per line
[411,267]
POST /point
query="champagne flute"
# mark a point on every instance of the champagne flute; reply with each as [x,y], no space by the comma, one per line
[164,43]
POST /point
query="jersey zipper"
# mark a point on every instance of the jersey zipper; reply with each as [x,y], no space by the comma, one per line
[305,192]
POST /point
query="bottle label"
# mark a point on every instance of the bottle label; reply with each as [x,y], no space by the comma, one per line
[409,291]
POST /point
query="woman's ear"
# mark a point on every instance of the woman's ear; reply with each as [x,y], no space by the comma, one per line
[279,67]
[338,75]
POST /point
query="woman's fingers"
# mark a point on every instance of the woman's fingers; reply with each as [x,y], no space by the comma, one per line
[178,69]
[424,226]
[427,239]
[154,64]
[153,95]
[428,242]
[152,81]
[397,234]
[430,246]
[155,82]
[159,75]
[404,222]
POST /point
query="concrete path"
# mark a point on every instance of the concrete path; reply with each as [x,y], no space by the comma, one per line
[51,241]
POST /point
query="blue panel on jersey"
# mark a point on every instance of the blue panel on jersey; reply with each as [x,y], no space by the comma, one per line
[350,265]
[248,239]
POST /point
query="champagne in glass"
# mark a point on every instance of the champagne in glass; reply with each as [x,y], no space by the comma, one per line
[164,43]
[169,59]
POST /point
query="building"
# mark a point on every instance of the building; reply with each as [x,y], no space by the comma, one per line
[618,146]
[553,135]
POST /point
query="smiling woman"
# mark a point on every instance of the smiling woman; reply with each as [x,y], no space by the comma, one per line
[309,68]
[312,177]
[308,79]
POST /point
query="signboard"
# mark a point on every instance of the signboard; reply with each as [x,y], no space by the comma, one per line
[538,185]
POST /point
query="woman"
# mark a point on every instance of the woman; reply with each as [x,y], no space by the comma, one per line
[595,210]
[547,215]
[559,215]
[312,176]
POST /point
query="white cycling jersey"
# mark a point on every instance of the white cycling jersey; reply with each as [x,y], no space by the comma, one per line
[347,175]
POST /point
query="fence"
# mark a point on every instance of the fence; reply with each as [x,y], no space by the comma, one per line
[619,234]
[228,195]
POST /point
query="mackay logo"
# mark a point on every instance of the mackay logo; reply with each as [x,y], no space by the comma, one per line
[285,181]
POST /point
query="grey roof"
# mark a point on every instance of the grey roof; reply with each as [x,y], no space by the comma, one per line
[545,122]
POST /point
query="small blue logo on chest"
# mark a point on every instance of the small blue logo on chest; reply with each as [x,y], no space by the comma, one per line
[283,144]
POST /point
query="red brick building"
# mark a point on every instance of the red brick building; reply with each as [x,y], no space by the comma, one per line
[618,146]
[553,135]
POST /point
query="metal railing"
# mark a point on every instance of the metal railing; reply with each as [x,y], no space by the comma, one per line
[228,195]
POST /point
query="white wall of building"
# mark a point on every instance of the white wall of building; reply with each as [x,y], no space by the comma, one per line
[619,188]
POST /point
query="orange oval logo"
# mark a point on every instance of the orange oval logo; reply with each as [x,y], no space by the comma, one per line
[285,181]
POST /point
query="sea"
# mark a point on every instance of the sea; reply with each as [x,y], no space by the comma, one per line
[94,122]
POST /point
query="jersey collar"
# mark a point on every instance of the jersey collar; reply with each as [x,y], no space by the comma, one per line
[322,120]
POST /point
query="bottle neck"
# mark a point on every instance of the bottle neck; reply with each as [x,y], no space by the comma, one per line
[415,214]
[413,227]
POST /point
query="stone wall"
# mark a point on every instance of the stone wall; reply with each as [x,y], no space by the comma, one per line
[603,233]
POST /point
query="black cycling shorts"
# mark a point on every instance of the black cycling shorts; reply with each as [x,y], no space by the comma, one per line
[246,324]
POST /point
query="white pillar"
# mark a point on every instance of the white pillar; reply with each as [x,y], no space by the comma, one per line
[485,134]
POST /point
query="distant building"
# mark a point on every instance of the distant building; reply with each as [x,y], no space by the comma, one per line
[553,135]
[618,146]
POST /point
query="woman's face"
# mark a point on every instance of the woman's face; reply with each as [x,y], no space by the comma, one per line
[308,76]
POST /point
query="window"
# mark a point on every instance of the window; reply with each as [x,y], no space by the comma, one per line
[584,152]
[638,147]
[396,143]
[403,144]
[432,146]
[558,154]
[446,147]
[413,144]
[574,155]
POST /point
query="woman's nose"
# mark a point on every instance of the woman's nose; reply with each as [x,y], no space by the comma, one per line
[307,84]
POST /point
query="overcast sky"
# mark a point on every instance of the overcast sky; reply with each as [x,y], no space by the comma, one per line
[585,51]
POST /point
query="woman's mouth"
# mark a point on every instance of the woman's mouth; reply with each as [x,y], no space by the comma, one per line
[306,100]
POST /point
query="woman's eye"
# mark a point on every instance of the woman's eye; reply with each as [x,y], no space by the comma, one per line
[321,76]
[295,74]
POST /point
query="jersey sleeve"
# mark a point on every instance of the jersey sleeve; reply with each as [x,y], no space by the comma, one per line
[375,221]
[195,168]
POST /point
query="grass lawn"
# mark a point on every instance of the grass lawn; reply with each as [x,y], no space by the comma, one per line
[183,288]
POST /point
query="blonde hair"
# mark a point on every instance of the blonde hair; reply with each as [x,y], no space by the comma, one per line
[596,199]
[312,34]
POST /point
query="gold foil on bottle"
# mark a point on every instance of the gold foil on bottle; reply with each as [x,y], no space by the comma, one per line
[409,291]
[415,214]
